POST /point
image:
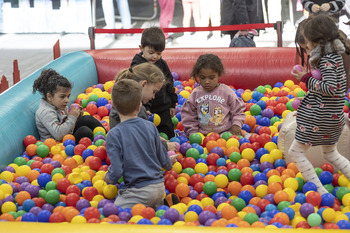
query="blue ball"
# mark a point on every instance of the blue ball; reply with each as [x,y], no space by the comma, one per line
[69,150]
[69,142]
[300,198]
[290,212]
[221,162]
[246,196]
[201,160]
[44,216]
[247,128]
[87,183]
[252,101]
[101,102]
[178,116]
[61,203]
[272,213]
[43,179]
[343,224]
[260,176]
[309,186]
[163,207]
[257,95]
[327,199]
[274,139]
[262,104]
[86,153]
[195,208]
[265,121]
[238,94]
[280,163]
[278,84]
[255,167]
[260,152]
[175,139]
[243,140]
[198,147]
[277,224]
[182,139]
[27,205]
[145,221]
[177,83]
[217,195]
[231,225]
[29,217]
[326,177]
[270,207]
[181,101]
[211,173]
[164,222]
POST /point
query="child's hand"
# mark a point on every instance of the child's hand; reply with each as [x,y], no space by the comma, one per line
[236,130]
[148,113]
[325,7]
[172,146]
[173,158]
[105,178]
[315,8]
[297,73]
[172,112]
[75,112]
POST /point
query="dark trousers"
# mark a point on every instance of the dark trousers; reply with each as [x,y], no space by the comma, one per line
[85,126]
[166,124]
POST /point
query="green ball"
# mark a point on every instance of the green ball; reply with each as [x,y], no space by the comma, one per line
[42,193]
[160,213]
[121,179]
[58,170]
[175,121]
[255,110]
[301,94]
[20,161]
[52,197]
[203,156]
[235,157]
[226,135]
[13,213]
[255,172]
[329,187]
[238,203]
[42,151]
[318,171]
[341,192]
[20,213]
[192,152]
[261,89]
[273,120]
[51,185]
[268,86]
[99,142]
[29,163]
[189,171]
[282,205]
[347,103]
[39,143]
[314,219]
[84,103]
[234,174]
[251,218]
[99,133]
[93,97]
[289,106]
[195,138]
[301,183]
[1,182]
[210,188]
[163,135]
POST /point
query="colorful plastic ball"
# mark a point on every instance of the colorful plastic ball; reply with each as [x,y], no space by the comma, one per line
[29,217]
[210,188]
[43,179]
[314,219]
[327,199]
[306,209]
[238,203]
[155,118]
[255,109]
[248,154]
[52,197]
[172,214]
[341,192]
[309,186]
[44,216]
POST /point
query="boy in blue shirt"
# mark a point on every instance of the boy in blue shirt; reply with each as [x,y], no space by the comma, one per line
[135,151]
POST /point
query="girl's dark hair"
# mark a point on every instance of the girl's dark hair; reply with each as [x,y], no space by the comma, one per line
[300,40]
[154,38]
[208,61]
[50,81]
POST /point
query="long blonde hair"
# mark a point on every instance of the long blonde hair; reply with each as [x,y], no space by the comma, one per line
[145,71]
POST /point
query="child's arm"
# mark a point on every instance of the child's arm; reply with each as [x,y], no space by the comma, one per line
[310,6]
[237,113]
[115,170]
[189,117]
[162,154]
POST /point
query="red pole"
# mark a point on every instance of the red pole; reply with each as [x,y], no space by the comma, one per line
[16,73]
[4,84]
[56,50]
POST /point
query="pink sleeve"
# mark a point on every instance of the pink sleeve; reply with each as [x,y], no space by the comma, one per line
[237,110]
[189,116]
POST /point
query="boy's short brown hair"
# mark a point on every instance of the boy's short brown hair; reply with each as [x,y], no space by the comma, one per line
[126,96]
[154,38]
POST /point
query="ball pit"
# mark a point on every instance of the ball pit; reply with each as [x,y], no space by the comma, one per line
[211,188]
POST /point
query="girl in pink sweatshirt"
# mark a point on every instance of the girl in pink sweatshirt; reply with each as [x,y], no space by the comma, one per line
[212,106]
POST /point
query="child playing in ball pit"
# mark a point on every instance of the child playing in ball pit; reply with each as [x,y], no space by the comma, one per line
[320,115]
[135,151]
[152,46]
[151,78]
[212,106]
[53,119]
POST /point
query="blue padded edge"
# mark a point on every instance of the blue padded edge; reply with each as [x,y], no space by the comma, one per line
[18,104]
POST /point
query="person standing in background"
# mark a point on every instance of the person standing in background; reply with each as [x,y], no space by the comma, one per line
[210,10]
[318,6]
[166,14]
[191,8]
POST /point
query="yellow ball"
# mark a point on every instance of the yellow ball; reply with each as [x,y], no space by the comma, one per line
[55,150]
[57,177]
[201,168]
[23,170]
[2,195]
[7,189]
[85,176]
[221,181]
[78,219]
[191,216]
[248,154]
[82,96]
[207,201]
[92,147]
[343,181]
[99,129]
[291,193]
[232,142]
[270,146]
[274,178]
[108,85]
[78,159]
[177,167]
[155,118]
[246,96]
[110,191]
[328,214]
[267,158]
[6,175]
[289,83]
[94,203]
[276,90]
[99,185]
[75,178]
[291,183]
[285,112]
[179,223]
[194,202]
[221,206]
[261,191]
[98,198]
[346,199]
[155,220]
[273,129]
[276,154]
[135,218]
[241,214]
[8,206]
[340,216]
[184,94]
[182,180]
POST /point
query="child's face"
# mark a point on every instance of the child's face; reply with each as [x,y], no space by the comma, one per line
[149,90]
[309,47]
[60,99]
[208,79]
[150,54]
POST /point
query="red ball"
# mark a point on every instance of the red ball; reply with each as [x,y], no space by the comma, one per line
[39,201]
[314,198]
[102,111]
[265,129]
[221,168]
[171,184]
[335,179]
[96,116]
[245,146]
[247,179]
[303,224]
[195,178]
[171,172]
[37,158]
[254,138]
[212,158]
[63,184]
[47,168]
[85,141]
[272,103]
[92,212]
[72,189]
[91,109]
[100,152]
[72,199]
[201,196]
[78,149]
[256,146]
[108,161]
[95,163]
[280,169]
[231,165]
[210,208]
[248,106]
[330,225]
[215,136]
[327,167]
[148,213]
[30,139]
[103,168]
[280,108]
[262,204]
[36,164]
[89,193]
[179,126]
[212,168]
[264,138]
[198,187]
[283,100]
[57,217]
[277,219]
[67,169]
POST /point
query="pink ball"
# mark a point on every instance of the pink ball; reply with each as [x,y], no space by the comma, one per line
[177,146]
[316,74]
[170,153]
[296,103]
[74,105]
[298,67]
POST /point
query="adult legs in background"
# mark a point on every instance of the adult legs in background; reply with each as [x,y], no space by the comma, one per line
[186,20]
[297,154]
[196,13]
[215,15]
[166,13]
[124,11]
[108,11]
[274,8]
[331,154]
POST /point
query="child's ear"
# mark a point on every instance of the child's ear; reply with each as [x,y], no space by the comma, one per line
[143,83]
[139,107]
[48,96]
[140,47]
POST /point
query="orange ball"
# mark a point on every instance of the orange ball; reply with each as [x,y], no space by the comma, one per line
[182,190]
[208,178]
[254,200]
[70,214]
[274,187]
[232,149]
[243,224]
[248,209]
[70,162]
[58,209]
[68,136]
[283,216]
[184,175]
[8,217]
[58,158]
[258,224]
[250,120]
[219,223]
[221,142]
[137,209]
[247,169]
[272,172]
[228,212]
[243,163]
[31,150]
[186,200]
[280,196]
[234,188]
[32,175]
[250,188]
[22,196]
[211,144]
[293,167]
[50,142]
[289,172]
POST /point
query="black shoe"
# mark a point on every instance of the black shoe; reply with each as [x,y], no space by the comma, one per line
[171,199]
